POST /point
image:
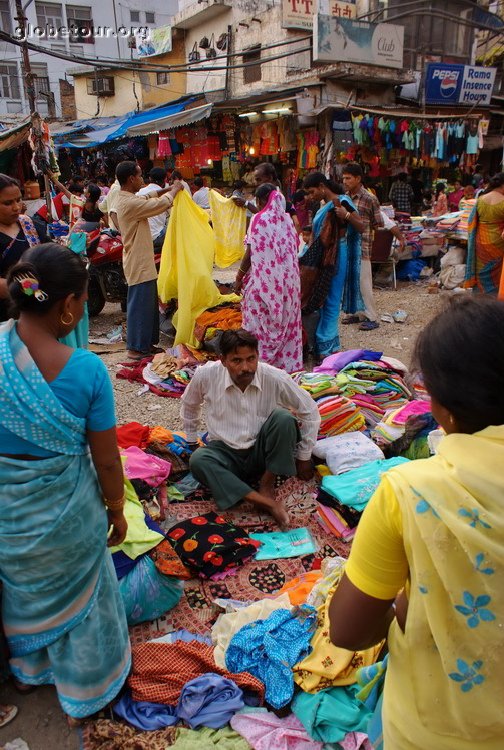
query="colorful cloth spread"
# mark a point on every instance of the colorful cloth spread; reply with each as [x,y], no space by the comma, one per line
[271,294]
[229,223]
[60,595]
[185,273]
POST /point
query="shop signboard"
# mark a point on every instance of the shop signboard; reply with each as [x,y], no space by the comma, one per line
[343,39]
[154,42]
[299,14]
[447,83]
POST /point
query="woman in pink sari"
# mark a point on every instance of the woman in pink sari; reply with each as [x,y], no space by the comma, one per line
[269,276]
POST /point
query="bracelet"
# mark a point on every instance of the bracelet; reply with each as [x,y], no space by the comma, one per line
[115,504]
[241,270]
[347,215]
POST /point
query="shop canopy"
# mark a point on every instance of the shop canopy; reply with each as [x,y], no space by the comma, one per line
[106,129]
[14,136]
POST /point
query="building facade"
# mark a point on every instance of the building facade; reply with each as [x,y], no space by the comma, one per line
[105,29]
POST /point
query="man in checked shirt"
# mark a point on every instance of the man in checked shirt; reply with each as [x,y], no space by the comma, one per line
[369,211]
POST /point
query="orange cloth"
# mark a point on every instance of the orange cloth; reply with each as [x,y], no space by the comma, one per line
[299,588]
[501,285]
[160,435]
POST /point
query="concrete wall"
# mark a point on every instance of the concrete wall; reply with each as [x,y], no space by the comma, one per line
[154,93]
[123,101]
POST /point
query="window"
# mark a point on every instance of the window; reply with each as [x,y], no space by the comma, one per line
[41,81]
[79,18]
[150,17]
[162,78]
[9,82]
[252,73]
[5,17]
[135,16]
[49,14]
[59,48]
[103,86]
[429,37]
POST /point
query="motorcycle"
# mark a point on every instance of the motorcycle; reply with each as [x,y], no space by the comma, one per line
[106,276]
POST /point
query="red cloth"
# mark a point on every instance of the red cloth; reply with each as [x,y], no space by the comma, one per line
[160,671]
[133,433]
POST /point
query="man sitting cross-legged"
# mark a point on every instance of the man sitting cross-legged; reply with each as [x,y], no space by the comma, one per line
[260,425]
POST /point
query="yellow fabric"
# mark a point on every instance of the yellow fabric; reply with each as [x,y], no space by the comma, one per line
[186,267]
[231,622]
[444,686]
[378,565]
[229,224]
[329,665]
[139,538]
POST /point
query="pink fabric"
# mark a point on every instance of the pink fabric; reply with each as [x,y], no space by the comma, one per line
[140,465]
[412,409]
[263,731]
[271,306]
[356,741]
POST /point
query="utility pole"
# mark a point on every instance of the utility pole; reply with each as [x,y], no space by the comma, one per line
[27,71]
[30,92]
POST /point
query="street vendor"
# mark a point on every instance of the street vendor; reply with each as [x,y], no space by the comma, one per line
[260,425]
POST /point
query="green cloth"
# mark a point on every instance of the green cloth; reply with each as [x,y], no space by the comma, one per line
[281,544]
[329,715]
[224,739]
[139,538]
[228,472]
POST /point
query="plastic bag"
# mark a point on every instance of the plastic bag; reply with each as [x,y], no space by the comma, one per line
[148,594]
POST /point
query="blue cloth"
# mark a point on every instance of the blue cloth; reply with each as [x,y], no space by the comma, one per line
[60,598]
[329,715]
[344,292]
[371,681]
[277,545]
[269,649]
[356,487]
[185,636]
[82,389]
[28,406]
[142,317]
[144,715]
[78,338]
[147,593]
[209,701]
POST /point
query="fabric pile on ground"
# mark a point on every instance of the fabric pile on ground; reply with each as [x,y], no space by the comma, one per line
[210,325]
[243,619]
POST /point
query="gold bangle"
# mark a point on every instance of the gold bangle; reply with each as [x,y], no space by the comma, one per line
[115,504]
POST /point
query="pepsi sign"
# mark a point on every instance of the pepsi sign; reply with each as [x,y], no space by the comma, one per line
[447,83]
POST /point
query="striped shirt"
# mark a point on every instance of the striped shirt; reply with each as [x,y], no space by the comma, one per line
[235,417]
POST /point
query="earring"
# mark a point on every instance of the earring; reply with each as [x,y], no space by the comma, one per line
[67,322]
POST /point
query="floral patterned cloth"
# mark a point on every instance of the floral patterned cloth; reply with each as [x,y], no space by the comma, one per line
[210,544]
[271,305]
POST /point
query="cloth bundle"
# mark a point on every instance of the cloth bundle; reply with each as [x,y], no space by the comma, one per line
[210,544]
[347,451]
[355,488]
[269,649]
[377,380]
[329,715]
[164,364]
[160,671]
[277,545]
[334,523]
[222,318]
[316,384]
[338,414]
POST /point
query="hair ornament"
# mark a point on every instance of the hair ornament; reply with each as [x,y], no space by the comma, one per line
[30,286]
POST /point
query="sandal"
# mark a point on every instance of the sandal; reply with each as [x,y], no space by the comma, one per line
[7,713]
[369,325]
[350,320]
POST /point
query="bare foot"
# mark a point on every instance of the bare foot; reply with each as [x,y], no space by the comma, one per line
[267,485]
[275,508]
[74,723]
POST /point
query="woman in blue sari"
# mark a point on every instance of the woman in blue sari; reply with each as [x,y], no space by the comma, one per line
[63,490]
[335,246]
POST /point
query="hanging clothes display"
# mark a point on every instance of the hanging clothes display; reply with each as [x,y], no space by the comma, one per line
[229,223]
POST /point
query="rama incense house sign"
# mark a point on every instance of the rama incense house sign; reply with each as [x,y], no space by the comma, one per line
[299,14]
[347,40]
[450,83]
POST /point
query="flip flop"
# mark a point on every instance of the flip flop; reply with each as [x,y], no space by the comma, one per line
[350,320]
[7,713]
[369,325]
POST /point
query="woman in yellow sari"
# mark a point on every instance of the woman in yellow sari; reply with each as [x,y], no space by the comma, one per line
[434,531]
